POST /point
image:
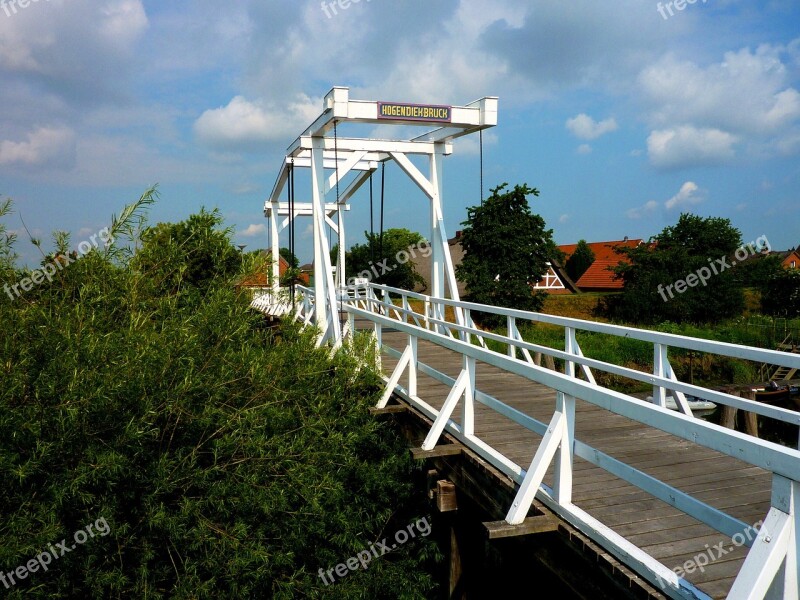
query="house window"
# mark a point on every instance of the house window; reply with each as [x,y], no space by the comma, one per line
[794,264]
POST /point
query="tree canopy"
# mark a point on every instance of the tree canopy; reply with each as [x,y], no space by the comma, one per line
[685,273]
[388,257]
[290,258]
[506,250]
[580,260]
[780,293]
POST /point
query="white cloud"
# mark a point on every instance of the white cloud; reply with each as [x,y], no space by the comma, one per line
[77,50]
[246,125]
[687,195]
[563,219]
[254,230]
[643,211]
[584,149]
[586,128]
[48,146]
[746,98]
[687,146]
[749,91]
[123,21]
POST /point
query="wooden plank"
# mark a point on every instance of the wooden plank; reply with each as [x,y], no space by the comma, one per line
[392,409]
[438,451]
[530,526]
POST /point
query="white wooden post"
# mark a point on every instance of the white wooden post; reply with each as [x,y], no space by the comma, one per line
[468,420]
[566,405]
[511,327]
[659,356]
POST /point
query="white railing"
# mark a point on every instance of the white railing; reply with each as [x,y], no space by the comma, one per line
[271,303]
[773,554]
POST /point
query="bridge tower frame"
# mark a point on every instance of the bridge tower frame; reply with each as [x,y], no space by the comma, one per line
[319,151]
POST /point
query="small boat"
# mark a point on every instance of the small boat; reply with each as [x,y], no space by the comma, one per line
[772,393]
[699,406]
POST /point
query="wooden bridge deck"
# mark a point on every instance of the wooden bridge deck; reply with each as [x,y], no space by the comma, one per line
[657,528]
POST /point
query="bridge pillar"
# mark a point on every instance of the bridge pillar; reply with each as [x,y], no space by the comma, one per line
[324,288]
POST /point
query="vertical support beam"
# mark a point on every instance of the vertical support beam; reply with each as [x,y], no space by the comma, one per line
[511,329]
[327,316]
[468,421]
[456,569]
[275,258]
[750,418]
[659,357]
[341,279]
[318,214]
[437,237]
[565,457]
[413,343]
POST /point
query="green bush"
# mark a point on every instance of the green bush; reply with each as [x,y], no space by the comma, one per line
[229,459]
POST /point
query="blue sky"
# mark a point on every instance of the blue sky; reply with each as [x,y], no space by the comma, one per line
[620,117]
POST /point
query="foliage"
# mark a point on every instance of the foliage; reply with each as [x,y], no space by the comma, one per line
[7,255]
[758,270]
[229,459]
[186,258]
[290,258]
[506,251]
[381,256]
[678,252]
[580,261]
[780,295]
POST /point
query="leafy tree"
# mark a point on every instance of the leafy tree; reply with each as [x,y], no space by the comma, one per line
[290,258]
[229,459]
[387,257]
[758,270]
[185,258]
[580,261]
[780,294]
[7,255]
[506,250]
[658,276]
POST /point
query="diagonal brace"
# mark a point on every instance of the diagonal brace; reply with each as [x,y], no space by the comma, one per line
[405,361]
[447,410]
[536,472]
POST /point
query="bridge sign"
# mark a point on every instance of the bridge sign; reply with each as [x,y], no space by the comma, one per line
[415,112]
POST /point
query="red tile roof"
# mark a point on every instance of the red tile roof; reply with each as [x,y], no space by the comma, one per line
[598,276]
[261,279]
